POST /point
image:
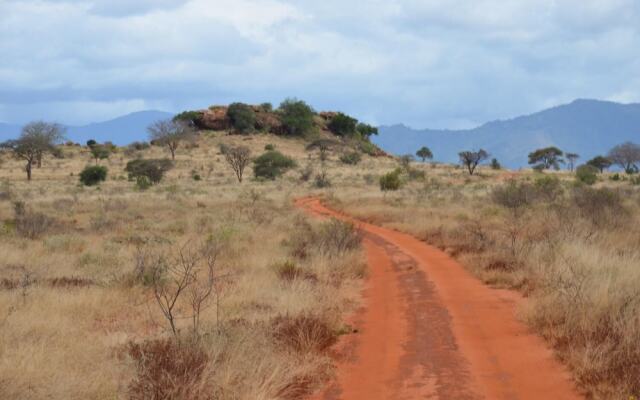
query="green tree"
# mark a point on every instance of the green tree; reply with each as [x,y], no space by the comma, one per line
[343,125]
[99,152]
[471,159]
[36,139]
[190,117]
[242,117]
[296,117]
[571,160]
[152,169]
[366,130]
[546,158]
[600,162]
[272,164]
[424,153]
[495,164]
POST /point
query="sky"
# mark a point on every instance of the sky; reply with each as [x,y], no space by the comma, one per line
[425,63]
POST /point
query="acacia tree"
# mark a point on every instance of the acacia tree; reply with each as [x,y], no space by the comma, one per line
[99,152]
[626,156]
[170,133]
[546,158]
[36,139]
[600,162]
[238,158]
[424,153]
[471,159]
[571,160]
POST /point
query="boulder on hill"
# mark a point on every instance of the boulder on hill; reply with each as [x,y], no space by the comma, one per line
[215,118]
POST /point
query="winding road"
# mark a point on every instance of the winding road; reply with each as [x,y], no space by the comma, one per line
[430,330]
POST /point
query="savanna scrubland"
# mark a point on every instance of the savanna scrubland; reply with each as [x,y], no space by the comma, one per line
[200,286]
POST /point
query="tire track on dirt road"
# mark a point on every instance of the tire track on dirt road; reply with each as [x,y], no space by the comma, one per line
[429,330]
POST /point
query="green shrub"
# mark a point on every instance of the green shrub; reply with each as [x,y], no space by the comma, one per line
[343,125]
[242,117]
[143,183]
[93,175]
[153,169]
[189,117]
[587,174]
[390,181]
[266,107]
[369,148]
[270,147]
[272,164]
[352,158]
[495,164]
[296,117]
[615,177]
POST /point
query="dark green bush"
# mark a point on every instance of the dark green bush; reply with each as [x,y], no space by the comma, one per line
[352,158]
[587,174]
[93,175]
[189,117]
[269,147]
[242,117]
[366,130]
[390,181]
[296,117]
[343,125]
[495,164]
[153,169]
[272,164]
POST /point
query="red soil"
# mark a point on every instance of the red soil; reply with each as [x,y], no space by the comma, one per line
[430,330]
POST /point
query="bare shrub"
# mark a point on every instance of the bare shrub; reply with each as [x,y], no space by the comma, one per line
[289,271]
[337,237]
[238,158]
[30,224]
[303,333]
[168,369]
[603,208]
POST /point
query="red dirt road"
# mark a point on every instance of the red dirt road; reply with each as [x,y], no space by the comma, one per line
[429,330]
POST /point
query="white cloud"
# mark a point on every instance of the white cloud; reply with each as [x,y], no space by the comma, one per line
[422,62]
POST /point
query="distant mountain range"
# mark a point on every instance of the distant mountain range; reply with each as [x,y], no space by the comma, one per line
[586,127]
[121,131]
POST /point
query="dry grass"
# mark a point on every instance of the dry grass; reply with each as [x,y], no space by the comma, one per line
[574,252]
[78,319]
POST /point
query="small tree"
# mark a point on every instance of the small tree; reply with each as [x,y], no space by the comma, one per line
[546,158]
[296,117]
[626,156]
[495,164]
[272,164]
[242,117]
[366,130]
[238,158]
[153,170]
[91,143]
[571,160]
[99,152]
[170,133]
[343,125]
[600,162]
[91,176]
[424,153]
[471,159]
[36,139]
[390,181]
